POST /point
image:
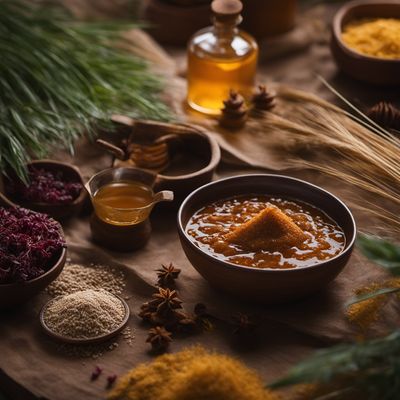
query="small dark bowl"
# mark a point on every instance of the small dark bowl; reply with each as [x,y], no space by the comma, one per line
[93,340]
[59,212]
[14,294]
[266,285]
[194,156]
[366,68]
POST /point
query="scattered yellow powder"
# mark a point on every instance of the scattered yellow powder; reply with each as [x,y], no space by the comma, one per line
[377,37]
[365,313]
[192,374]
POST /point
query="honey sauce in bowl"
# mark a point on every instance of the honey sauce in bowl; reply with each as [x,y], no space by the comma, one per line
[123,203]
[266,232]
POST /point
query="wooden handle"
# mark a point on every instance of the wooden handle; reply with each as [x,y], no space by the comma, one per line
[111,148]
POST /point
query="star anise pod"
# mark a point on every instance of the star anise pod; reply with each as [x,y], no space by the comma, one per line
[146,312]
[165,300]
[159,338]
[167,275]
[242,324]
[186,321]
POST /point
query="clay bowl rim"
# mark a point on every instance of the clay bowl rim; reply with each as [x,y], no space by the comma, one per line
[215,152]
[60,260]
[337,30]
[348,246]
[78,200]
[96,339]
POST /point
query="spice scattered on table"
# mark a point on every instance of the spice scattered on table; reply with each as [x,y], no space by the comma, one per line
[96,373]
[76,277]
[50,187]
[167,275]
[164,312]
[85,314]
[110,381]
[29,243]
[374,37]
[159,338]
[191,374]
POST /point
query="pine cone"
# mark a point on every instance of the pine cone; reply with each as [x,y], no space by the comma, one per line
[167,275]
[159,338]
[263,100]
[234,113]
[385,114]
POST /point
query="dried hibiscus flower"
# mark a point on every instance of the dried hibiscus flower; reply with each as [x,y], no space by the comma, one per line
[29,242]
[44,187]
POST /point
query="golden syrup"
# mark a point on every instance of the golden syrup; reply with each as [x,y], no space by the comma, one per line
[211,78]
[220,58]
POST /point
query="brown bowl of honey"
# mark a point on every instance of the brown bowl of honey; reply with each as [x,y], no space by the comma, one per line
[123,199]
[267,238]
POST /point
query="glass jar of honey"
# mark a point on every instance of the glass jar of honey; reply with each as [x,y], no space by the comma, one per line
[220,58]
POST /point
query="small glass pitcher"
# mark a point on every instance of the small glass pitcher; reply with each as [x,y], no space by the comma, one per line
[125,216]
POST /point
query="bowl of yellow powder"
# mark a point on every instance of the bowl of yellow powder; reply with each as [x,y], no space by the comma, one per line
[366,41]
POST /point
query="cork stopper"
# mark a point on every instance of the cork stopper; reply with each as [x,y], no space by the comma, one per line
[226,10]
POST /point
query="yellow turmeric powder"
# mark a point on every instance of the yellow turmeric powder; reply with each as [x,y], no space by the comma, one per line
[377,37]
[192,374]
[366,312]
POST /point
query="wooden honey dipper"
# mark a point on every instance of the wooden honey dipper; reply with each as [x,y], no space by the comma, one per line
[154,156]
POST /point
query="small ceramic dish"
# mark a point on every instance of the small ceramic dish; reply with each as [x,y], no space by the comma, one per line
[369,69]
[266,285]
[14,294]
[97,339]
[194,155]
[56,211]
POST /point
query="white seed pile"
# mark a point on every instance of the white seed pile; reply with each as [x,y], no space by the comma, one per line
[75,277]
[84,314]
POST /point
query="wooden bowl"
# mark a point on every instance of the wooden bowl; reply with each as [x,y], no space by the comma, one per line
[366,68]
[59,212]
[196,151]
[14,294]
[174,24]
[96,339]
[266,285]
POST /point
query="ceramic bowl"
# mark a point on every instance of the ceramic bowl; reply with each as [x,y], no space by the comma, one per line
[14,294]
[58,211]
[362,67]
[195,154]
[266,285]
[93,340]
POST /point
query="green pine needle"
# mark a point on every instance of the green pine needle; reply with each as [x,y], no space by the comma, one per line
[371,367]
[60,78]
[381,251]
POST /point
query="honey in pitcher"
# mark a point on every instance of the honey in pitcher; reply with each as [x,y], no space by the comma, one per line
[220,58]
[123,203]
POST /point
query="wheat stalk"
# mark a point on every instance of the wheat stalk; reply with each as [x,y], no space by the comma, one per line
[364,154]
